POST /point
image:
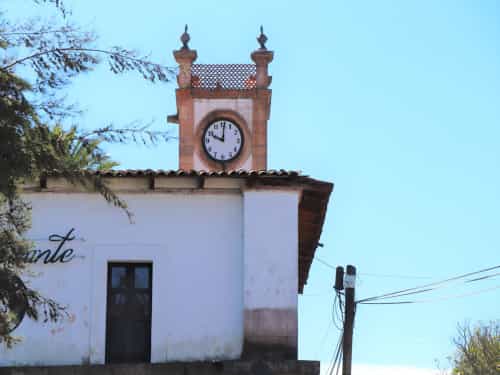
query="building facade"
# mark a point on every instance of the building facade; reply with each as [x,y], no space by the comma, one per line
[209,268]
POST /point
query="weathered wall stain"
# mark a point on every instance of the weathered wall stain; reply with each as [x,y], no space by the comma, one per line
[270,333]
[71,318]
[55,331]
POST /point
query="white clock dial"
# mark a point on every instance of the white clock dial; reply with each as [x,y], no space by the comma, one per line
[222,140]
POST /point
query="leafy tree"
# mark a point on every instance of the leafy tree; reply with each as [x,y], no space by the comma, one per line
[477,350]
[37,63]
[81,153]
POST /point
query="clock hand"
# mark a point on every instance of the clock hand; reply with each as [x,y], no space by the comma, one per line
[218,138]
[223,131]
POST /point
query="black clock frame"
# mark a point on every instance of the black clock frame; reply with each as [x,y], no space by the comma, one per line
[205,133]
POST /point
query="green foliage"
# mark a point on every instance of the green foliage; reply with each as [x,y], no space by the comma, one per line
[80,153]
[478,350]
[38,60]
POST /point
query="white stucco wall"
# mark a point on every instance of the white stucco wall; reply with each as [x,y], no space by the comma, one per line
[202,107]
[270,249]
[270,266]
[194,243]
[214,256]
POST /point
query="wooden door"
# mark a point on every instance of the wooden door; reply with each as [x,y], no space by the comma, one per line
[128,323]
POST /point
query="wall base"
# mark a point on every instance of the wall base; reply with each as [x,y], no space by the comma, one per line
[251,367]
[268,352]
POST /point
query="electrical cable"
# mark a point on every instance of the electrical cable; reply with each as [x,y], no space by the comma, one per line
[325,335]
[315,294]
[410,293]
[403,294]
[337,358]
[341,357]
[394,276]
[341,307]
[341,353]
[483,278]
[433,299]
[431,289]
[325,263]
[418,289]
[332,321]
[334,313]
[396,294]
[336,355]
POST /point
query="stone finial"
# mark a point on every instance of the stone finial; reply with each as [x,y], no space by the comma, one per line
[262,57]
[185,38]
[185,58]
[262,39]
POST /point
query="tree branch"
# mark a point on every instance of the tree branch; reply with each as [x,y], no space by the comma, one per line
[75,49]
[55,31]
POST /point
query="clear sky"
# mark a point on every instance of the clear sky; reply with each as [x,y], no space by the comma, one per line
[396,102]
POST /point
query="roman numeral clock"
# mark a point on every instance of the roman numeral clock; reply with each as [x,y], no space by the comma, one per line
[222,111]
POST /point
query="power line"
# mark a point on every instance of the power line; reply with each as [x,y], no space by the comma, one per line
[433,299]
[316,294]
[411,291]
[341,306]
[419,289]
[343,352]
[428,289]
[341,357]
[335,317]
[395,276]
[336,308]
[325,335]
[483,278]
[332,321]
[336,356]
[325,263]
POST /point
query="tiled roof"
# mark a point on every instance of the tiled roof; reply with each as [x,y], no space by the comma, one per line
[312,206]
[188,173]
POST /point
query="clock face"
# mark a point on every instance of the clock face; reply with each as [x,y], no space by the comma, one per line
[222,140]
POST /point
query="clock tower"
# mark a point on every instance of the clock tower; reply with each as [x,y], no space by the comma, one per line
[222,111]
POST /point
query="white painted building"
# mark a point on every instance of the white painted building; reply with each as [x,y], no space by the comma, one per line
[212,264]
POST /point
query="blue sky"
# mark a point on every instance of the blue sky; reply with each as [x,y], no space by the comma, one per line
[397,103]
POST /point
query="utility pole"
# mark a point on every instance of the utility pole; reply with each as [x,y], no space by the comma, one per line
[349,286]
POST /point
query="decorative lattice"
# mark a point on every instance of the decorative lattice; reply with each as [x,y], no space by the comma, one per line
[223,76]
